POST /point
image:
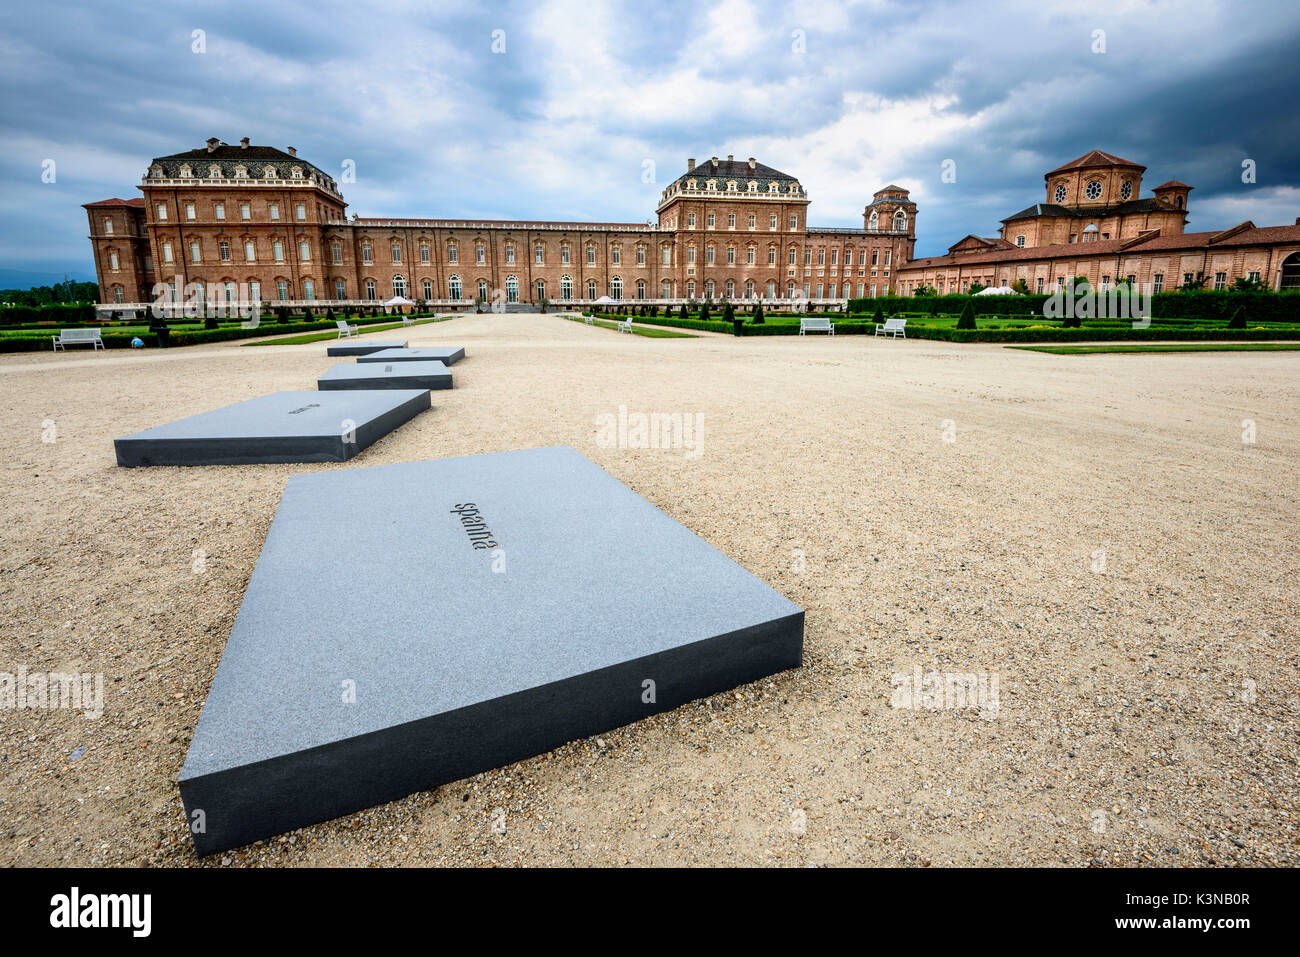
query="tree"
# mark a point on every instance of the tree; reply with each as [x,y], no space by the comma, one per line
[1192,285]
[1020,286]
[880,313]
[1248,284]
[967,318]
[728,314]
[704,311]
[758,314]
[975,287]
[1238,320]
[682,313]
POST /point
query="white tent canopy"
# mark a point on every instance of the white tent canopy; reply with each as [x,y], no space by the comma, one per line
[997,291]
[399,301]
[605,301]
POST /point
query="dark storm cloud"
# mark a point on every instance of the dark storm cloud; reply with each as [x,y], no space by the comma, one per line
[847,96]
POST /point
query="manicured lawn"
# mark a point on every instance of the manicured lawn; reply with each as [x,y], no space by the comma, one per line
[332,334]
[653,332]
[1165,347]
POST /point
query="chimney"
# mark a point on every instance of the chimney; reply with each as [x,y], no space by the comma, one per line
[731,157]
[752,163]
[291,151]
[213,142]
[715,162]
[690,164]
[243,144]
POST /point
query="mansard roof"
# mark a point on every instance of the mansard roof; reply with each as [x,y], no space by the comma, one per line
[738,170]
[228,158]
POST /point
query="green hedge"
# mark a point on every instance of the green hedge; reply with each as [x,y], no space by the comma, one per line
[70,314]
[39,342]
[1196,306]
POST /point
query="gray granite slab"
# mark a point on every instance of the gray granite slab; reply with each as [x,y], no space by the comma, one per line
[279,427]
[386,375]
[444,354]
[410,625]
[346,347]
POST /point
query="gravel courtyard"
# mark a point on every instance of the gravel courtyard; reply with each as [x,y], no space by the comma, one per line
[1091,536]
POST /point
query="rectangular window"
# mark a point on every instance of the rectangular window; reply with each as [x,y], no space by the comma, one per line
[451,254]
[300,211]
[162,211]
[709,221]
[821,257]
[1187,279]
[195,253]
[282,289]
[794,222]
[370,289]
[1253,277]
[731,255]
[771,255]
[249,251]
[889,254]
[112,260]
[1220,279]
[1040,285]
[591,255]
[835,257]
[274,210]
[428,289]
[336,251]
[538,256]
[564,255]
[189,211]
[862,257]
[219,210]
[245,211]
[690,220]
[821,294]
[690,255]
[397,253]
[731,220]
[668,256]
[807,257]
[223,250]
[749,256]
[424,254]
[340,289]
[480,253]
[277,250]
[752,221]
[308,289]
[640,256]
[791,255]
[708,255]
[618,256]
[772,221]
[108,227]
[304,250]
[1157,285]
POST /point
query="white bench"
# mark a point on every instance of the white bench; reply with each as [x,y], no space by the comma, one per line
[345,330]
[408,320]
[625,325]
[589,320]
[814,324]
[78,337]
[896,325]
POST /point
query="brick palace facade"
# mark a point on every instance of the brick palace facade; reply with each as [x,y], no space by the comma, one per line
[233,221]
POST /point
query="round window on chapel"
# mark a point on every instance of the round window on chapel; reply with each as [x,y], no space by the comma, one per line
[1094,190]
[1060,193]
[1126,190]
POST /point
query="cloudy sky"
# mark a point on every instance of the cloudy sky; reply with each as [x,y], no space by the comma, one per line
[569,109]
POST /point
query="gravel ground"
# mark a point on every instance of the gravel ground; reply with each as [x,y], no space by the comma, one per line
[1096,537]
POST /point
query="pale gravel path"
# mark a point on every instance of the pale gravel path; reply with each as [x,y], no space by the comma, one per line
[1124,692]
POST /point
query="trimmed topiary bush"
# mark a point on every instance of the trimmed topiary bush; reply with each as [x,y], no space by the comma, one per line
[967,318]
[1238,320]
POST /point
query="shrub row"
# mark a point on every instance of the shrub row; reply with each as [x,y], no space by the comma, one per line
[1197,306]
